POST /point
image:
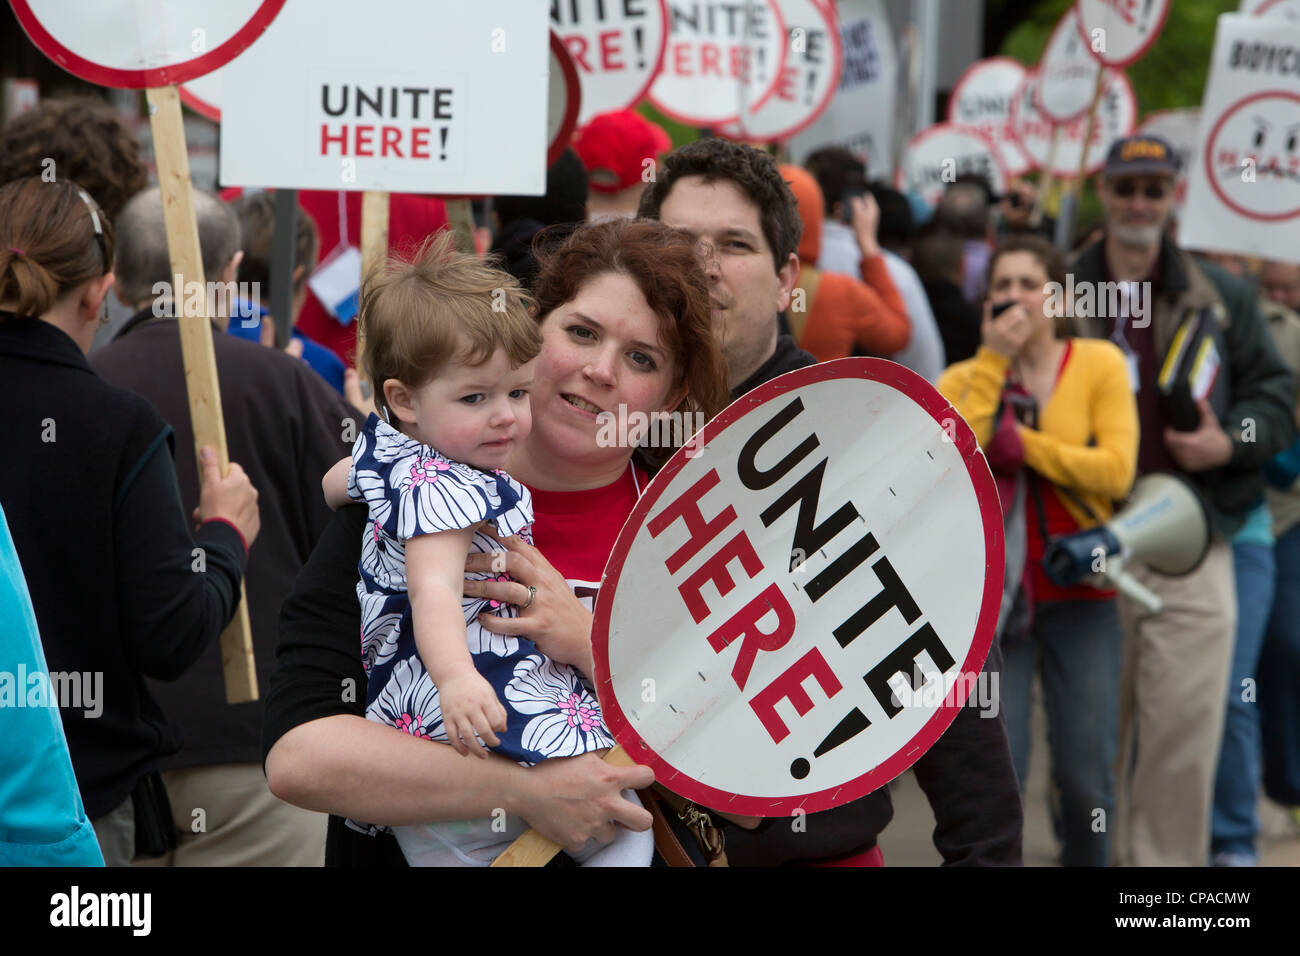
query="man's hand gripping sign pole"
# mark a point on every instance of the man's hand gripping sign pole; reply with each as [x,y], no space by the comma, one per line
[803,597]
[154,45]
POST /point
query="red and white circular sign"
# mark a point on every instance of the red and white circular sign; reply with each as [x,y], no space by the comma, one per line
[1252,156]
[1068,71]
[617,48]
[802,599]
[1116,119]
[563,101]
[808,82]
[982,99]
[938,155]
[138,44]
[1119,32]
[721,57]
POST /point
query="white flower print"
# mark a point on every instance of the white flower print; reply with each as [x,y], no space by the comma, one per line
[379,629]
[409,702]
[483,641]
[568,720]
[384,558]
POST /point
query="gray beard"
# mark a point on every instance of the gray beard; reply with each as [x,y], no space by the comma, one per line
[1139,237]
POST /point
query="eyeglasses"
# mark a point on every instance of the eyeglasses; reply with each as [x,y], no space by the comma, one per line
[99,228]
[1127,188]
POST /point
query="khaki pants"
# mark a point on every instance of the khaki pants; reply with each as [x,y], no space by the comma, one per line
[226,815]
[1173,694]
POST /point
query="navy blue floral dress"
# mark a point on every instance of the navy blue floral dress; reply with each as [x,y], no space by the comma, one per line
[411,489]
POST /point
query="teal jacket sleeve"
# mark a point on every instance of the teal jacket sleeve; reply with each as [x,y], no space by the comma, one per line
[42,820]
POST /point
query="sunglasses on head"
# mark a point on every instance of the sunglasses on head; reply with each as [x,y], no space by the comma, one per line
[1127,188]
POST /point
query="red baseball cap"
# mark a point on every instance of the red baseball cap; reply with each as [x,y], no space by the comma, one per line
[614,147]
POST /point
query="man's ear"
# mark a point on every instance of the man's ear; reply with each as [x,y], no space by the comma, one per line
[231,270]
[786,277]
[400,400]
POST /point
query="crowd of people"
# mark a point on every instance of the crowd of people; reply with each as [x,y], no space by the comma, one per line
[454,460]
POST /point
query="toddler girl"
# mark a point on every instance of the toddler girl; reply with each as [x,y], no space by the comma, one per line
[448,345]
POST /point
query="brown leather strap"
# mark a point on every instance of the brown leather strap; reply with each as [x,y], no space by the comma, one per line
[665,842]
[708,835]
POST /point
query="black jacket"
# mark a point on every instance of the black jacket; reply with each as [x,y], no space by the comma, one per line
[286,427]
[91,497]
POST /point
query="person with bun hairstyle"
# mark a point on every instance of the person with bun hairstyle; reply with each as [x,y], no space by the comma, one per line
[120,585]
[1058,423]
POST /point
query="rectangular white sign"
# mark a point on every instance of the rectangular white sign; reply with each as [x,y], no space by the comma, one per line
[421,96]
[1243,192]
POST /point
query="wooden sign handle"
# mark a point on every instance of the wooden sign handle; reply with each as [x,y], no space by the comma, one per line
[460,217]
[201,383]
[374,245]
[533,849]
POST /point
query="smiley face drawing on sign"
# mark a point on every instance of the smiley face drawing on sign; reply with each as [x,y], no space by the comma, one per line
[1252,156]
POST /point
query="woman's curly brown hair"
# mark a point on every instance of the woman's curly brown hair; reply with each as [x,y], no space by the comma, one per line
[88,142]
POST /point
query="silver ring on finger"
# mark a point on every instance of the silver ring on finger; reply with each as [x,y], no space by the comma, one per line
[532,593]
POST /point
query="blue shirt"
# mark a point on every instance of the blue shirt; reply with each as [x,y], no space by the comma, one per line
[244,324]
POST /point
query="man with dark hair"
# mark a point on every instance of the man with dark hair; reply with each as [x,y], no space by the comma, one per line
[733,199]
[839,173]
[937,258]
[964,211]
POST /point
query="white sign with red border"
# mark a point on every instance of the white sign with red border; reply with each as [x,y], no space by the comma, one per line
[722,56]
[453,102]
[1119,32]
[800,603]
[617,47]
[138,44]
[1243,194]
[982,99]
[861,113]
[808,82]
[938,155]
[1272,8]
[1068,71]
[1116,119]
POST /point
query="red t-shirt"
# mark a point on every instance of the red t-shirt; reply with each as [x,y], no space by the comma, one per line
[576,530]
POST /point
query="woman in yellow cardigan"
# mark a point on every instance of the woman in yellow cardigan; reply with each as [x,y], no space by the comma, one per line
[1058,422]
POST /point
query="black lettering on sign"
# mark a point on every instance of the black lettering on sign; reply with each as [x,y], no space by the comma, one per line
[893,593]
[901,660]
[808,537]
[748,472]
[853,723]
[839,569]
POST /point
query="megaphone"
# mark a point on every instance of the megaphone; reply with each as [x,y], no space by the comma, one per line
[1164,525]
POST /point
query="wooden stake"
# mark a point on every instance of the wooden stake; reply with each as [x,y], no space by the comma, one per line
[374,240]
[1092,124]
[196,346]
[1048,180]
[461,219]
[533,849]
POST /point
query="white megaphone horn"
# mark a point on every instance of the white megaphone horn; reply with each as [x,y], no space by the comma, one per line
[1164,525]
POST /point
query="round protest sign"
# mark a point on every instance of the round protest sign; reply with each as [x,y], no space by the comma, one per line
[616,46]
[721,56]
[938,155]
[982,99]
[1274,8]
[1067,71]
[809,80]
[137,44]
[1119,32]
[1255,142]
[804,596]
[563,100]
[1116,119]
[1178,128]
[203,95]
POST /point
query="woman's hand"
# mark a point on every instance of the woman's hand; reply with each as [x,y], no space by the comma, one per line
[571,800]
[1008,332]
[555,620]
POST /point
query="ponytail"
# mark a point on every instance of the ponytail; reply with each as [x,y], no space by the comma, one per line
[53,238]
